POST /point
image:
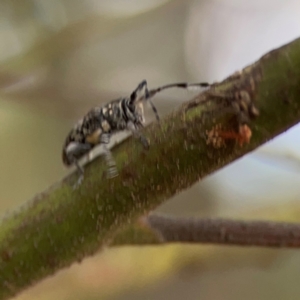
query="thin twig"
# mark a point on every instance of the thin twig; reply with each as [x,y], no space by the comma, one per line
[224,231]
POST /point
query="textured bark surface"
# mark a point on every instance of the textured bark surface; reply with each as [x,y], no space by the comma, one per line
[62,225]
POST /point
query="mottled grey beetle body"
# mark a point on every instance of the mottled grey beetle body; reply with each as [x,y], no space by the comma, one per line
[108,119]
[97,126]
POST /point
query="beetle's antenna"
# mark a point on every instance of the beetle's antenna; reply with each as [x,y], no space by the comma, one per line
[150,93]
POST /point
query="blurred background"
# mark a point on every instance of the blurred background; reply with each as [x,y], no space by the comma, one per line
[58,58]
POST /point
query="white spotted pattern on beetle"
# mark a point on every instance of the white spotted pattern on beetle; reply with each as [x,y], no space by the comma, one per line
[101,122]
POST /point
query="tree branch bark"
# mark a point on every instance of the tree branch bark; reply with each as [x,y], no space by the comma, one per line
[62,225]
[161,229]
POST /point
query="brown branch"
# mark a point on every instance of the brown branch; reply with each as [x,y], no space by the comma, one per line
[156,228]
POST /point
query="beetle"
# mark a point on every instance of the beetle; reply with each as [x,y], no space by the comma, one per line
[101,122]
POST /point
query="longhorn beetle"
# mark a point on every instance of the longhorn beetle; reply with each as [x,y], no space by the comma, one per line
[97,126]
